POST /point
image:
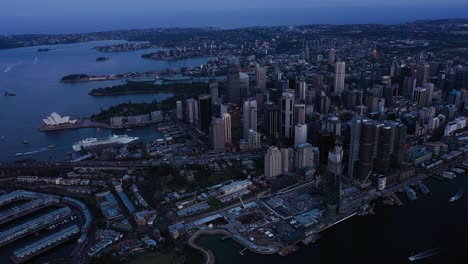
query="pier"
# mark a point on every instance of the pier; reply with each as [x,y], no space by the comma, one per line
[32,226]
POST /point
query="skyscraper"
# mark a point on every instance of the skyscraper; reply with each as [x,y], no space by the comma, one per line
[301,90]
[249,116]
[234,111]
[429,92]
[340,72]
[331,56]
[304,156]
[273,162]
[422,74]
[205,113]
[300,134]
[420,96]
[227,127]
[299,114]
[271,119]
[179,110]
[409,84]
[237,87]
[367,149]
[385,148]
[214,93]
[217,134]
[192,111]
[355,128]
[260,76]
[287,114]
[333,181]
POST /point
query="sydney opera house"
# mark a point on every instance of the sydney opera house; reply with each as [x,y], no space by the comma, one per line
[55,121]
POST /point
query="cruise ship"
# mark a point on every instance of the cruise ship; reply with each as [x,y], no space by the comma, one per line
[90,143]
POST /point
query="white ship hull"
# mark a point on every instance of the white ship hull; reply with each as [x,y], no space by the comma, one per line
[90,143]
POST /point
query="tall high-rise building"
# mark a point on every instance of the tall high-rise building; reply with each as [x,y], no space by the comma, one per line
[306,53]
[304,156]
[367,149]
[235,112]
[227,127]
[285,160]
[300,134]
[429,91]
[340,73]
[331,56]
[273,162]
[271,119]
[299,114]
[217,134]
[192,111]
[333,124]
[422,74]
[420,96]
[317,80]
[398,153]
[237,87]
[249,116]
[205,112]
[385,148]
[333,181]
[260,76]
[301,90]
[354,143]
[214,93]
[409,84]
[287,114]
[179,110]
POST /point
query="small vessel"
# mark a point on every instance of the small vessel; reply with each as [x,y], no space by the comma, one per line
[51,146]
[6,93]
[18,154]
[129,129]
[25,142]
[457,196]
[423,255]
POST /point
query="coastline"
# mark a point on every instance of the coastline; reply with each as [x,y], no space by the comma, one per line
[208,255]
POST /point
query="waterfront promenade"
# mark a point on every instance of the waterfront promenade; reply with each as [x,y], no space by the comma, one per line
[208,255]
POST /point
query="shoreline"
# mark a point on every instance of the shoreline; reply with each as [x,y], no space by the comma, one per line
[127,93]
[207,254]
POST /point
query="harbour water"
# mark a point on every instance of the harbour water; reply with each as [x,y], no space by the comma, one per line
[390,236]
[34,77]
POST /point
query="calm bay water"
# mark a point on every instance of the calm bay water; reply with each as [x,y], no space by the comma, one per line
[389,236]
[34,77]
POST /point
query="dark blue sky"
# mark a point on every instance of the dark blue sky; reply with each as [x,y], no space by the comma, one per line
[53,7]
[73,16]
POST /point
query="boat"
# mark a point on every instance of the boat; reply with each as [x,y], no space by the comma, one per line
[90,143]
[25,142]
[18,154]
[423,255]
[6,93]
[51,146]
[457,196]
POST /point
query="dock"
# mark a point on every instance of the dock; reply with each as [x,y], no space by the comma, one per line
[25,253]
[397,199]
[24,209]
[20,231]
[423,188]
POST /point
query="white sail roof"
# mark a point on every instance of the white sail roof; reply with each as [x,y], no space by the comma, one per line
[56,119]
